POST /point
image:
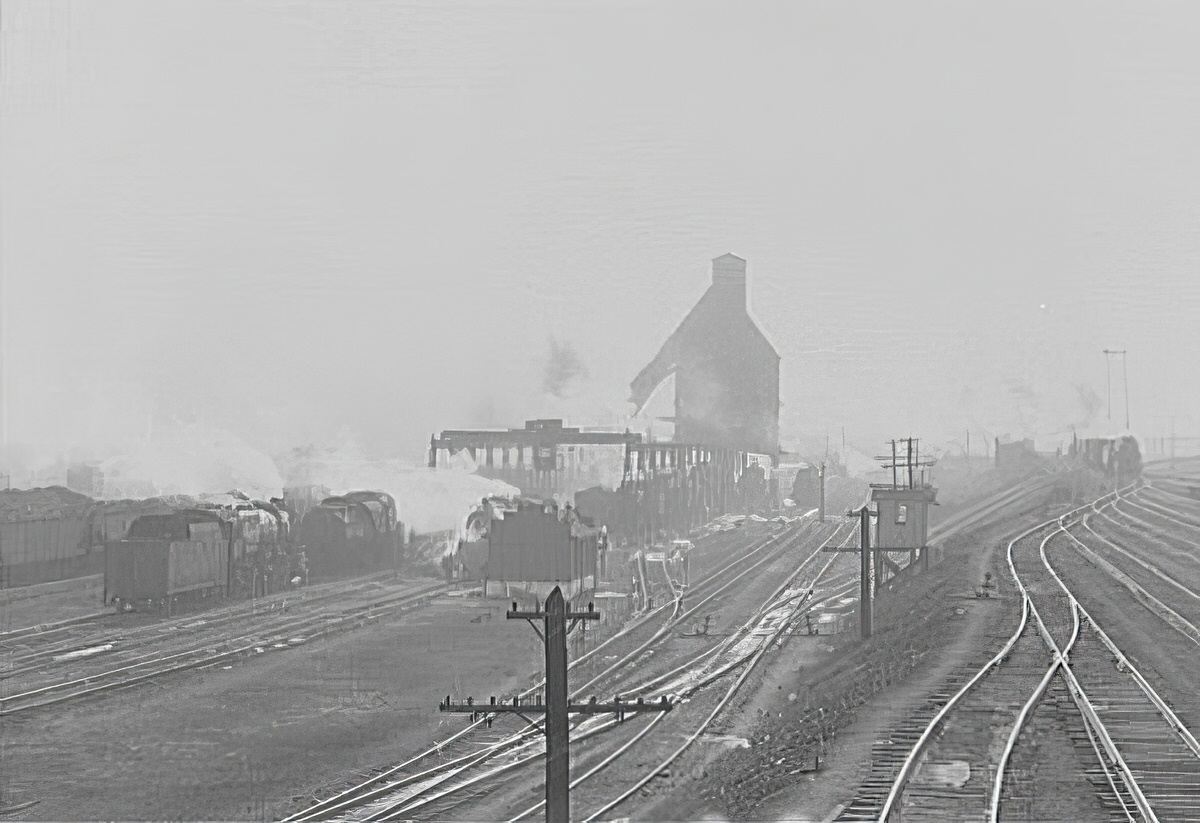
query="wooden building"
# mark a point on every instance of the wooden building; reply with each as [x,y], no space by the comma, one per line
[726,370]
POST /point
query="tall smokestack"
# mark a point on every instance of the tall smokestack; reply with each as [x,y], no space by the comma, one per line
[729,276]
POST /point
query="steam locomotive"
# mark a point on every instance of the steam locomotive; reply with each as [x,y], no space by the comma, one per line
[1118,457]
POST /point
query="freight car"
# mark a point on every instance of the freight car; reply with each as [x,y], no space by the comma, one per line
[55,533]
[349,534]
[44,535]
[166,559]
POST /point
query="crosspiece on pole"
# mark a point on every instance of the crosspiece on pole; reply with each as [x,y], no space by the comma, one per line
[618,707]
[554,704]
[873,549]
[539,614]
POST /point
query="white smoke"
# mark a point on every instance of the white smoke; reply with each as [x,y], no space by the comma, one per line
[190,459]
[428,500]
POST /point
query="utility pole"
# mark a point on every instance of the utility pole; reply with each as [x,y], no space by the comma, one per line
[895,483]
[865,607]
[821,477]
[1125,380]
[556,708]
[1108,353]
[911,464]
[1108,380]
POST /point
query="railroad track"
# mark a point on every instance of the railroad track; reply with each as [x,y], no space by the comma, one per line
[1028,490]
[779,614]
[1142,505]
[283,632]
[28,644]
[1158,756]
[686,683]
[466,765]
[1058,688]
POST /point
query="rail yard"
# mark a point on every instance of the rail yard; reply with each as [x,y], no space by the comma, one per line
[1061,707]
[720,630]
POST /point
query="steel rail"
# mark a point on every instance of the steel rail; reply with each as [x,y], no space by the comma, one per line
[956,522]
[721,704]
[1150,567]
[695,607]
[1168,714]
[1139,500]
[603,764]
[419,799]
[966,518]
[1036,696]
[348,797]
[666,676]
[1165,612]
[1088,709]
[402,602]
[918,748]
[208,619]
[1152,526]
[1153,484]
[408,805]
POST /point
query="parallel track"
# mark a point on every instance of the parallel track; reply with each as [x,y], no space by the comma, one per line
[456,769]
[1058,674]
[272,635]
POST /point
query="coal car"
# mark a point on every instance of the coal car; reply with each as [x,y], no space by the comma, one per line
[166,559]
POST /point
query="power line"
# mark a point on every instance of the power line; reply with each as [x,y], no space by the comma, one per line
[555,707]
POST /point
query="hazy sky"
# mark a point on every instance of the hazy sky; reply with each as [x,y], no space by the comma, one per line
[290,218]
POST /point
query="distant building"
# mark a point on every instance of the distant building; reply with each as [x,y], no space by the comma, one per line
[726,370]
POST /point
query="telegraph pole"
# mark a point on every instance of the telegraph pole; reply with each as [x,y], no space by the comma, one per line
[556,708]
[1125,380]
[865,607]
[864,588]
[865,552]
[1108,353]
[1108,376]
[821,477]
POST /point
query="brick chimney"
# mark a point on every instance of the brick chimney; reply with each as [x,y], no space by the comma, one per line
[729,276]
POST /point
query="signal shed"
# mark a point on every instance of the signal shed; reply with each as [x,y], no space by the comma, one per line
[903,521]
